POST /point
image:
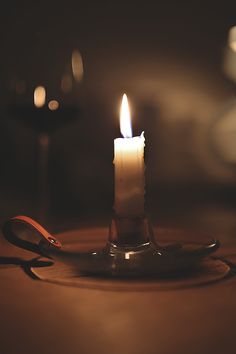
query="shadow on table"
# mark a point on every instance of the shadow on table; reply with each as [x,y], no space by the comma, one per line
[212,270]
[25,264]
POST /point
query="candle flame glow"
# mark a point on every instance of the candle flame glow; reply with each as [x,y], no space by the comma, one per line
[125,121]
[39,96]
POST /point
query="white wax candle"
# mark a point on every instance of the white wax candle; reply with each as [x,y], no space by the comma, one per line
[129,169]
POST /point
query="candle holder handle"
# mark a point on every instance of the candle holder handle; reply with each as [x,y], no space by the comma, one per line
[12,232]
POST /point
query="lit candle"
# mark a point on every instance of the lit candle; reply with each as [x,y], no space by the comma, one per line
[129,168]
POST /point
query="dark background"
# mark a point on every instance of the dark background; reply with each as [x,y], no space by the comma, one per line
[169,57]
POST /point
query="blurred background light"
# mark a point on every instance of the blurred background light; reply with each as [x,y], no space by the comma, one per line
[77,65]
[53,105]
[39,96]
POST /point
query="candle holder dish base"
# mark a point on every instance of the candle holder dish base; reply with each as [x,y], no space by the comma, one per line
[131,251]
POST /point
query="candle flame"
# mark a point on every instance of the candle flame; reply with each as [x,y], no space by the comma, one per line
[125,121]
[39,96]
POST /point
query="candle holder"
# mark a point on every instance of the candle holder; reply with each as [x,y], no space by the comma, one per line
[131,249]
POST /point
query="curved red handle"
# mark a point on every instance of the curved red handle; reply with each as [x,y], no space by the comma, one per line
[44,236]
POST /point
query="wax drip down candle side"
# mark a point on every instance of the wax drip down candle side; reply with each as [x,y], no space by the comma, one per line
[129,168]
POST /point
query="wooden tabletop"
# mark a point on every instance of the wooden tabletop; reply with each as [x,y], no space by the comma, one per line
[38,317]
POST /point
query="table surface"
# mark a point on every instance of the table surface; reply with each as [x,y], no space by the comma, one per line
[39,317]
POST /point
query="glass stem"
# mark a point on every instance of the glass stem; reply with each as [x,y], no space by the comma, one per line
[43,176]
